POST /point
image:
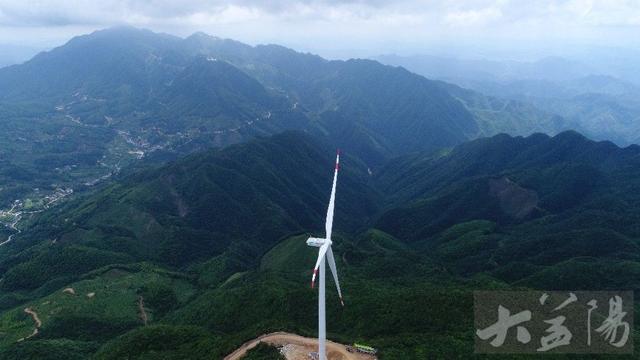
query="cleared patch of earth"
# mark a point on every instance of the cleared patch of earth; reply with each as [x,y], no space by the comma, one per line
[296,347]
[70,291]
[515,200]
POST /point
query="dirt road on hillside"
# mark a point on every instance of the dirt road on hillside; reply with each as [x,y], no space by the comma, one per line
[298,348]
[143,313]
[36,320]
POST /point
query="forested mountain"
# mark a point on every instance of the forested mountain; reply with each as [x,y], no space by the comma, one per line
[210,243]
[80,113]
[602,107]
[504,115]
[246,196]
[600,102]
[142,82]
[549,205]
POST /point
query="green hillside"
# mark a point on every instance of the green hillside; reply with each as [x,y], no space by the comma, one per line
[241,199]
[547,203]
[496,115]
[214,247]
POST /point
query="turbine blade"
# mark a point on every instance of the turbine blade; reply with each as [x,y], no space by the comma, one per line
[334,271]
[332,201]
[321,254]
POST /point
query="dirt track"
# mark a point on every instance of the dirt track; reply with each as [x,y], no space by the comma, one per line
[300,347]
[36,320]
[143,313]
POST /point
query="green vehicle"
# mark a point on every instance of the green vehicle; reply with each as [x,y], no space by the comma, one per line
[362,349]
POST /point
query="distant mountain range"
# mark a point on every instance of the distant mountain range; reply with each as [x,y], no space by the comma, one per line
[124,98]
[80,113]
[177,95]
[589,99]
[138,81]
[500,71]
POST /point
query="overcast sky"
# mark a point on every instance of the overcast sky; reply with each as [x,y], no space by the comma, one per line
[343,28]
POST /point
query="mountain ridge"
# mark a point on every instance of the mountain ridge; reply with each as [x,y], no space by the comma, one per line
[116,77]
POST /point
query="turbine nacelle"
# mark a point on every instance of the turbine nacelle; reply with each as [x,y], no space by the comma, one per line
[317,242]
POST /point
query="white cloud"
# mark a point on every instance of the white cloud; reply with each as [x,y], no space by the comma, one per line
[231,14]
[473,17]
[367,25]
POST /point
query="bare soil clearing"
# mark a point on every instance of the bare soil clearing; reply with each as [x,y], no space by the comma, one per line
[298,348]
[70,291]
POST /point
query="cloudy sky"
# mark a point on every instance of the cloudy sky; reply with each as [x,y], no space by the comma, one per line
[337,28]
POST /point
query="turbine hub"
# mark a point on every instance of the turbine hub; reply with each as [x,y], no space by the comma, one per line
[317,242]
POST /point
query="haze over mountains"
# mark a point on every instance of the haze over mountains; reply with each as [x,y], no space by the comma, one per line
[600,101]
[200,165]
[12,54]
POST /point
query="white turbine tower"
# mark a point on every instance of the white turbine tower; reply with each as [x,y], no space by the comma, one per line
[325,250]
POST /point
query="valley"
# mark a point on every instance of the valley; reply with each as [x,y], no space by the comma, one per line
[11,217]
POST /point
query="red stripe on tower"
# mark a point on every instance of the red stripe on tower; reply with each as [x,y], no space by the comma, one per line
[313,279]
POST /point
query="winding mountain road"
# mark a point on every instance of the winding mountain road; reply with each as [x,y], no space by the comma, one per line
[36,320]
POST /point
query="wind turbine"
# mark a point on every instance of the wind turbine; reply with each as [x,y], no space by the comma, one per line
[325,251]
